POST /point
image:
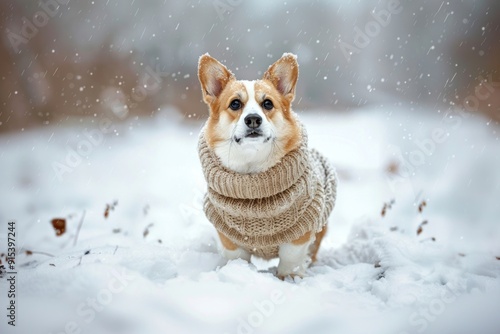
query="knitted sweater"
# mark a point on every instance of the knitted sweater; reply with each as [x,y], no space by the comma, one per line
[258,212]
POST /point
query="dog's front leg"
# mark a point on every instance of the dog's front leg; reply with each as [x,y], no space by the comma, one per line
[294,257]
[231,251]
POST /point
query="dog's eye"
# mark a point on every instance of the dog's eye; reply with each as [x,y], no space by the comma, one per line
[235,105]
[267,104]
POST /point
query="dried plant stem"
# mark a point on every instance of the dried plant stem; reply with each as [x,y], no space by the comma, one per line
[79,227]
[39,252]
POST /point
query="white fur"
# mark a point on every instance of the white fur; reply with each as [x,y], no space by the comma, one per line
[238,253]
[250,155]
[293,259]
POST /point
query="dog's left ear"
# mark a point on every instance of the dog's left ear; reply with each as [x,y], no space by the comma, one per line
[284,74]
[213,77]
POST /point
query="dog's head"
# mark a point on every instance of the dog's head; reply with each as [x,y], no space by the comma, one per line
[251,125]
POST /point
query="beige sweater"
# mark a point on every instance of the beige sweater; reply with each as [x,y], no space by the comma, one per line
[258,212]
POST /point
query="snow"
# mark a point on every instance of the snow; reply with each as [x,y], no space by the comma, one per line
[153,265]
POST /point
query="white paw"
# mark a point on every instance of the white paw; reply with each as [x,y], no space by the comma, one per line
[293,260]
[290,270]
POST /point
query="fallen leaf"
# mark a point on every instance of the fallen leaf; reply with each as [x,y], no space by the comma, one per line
[146,230]
[421,206]
[109,207]
[59,225]
[387,206]
[393,167]
[420,229]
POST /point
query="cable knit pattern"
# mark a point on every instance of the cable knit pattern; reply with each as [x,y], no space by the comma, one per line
[258,212]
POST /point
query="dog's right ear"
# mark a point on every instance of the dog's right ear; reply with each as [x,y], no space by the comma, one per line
[213,77]
[283,74]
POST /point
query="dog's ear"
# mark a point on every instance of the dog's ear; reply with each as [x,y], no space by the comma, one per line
[213,77]
[284,74]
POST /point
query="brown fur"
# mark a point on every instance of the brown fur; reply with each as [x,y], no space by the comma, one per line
[227,243]
[303,239]
[317,243]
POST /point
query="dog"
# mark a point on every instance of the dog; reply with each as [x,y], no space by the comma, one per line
[268,194]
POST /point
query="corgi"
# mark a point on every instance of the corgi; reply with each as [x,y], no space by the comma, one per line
[250,130]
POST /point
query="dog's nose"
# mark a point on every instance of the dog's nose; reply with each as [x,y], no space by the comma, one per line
[253,121]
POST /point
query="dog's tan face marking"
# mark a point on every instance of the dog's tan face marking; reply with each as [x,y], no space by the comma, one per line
[221,116]
[281,115]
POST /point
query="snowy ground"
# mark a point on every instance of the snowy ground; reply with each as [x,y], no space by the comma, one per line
[152,265]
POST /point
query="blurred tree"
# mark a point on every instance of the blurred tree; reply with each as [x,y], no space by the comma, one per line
[94,58]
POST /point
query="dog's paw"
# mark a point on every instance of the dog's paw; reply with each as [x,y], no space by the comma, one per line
[291,277]
[290,271]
